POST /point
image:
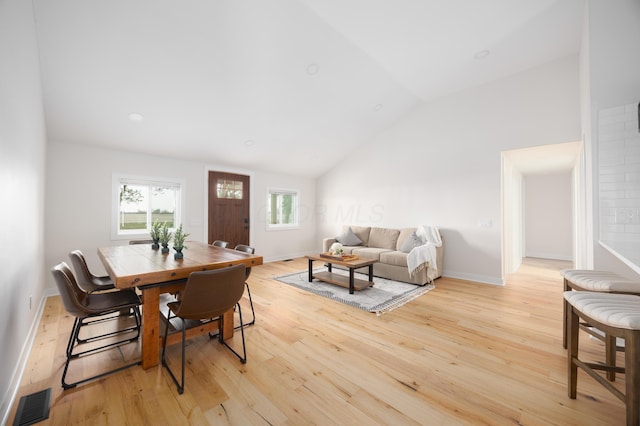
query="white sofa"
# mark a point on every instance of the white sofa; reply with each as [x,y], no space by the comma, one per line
[390,247]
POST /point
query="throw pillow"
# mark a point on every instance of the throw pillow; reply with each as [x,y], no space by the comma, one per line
[410,243]
[348,238]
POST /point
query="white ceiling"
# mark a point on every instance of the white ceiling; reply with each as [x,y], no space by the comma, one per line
[231,82]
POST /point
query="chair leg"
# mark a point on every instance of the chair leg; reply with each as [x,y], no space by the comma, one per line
[83,322]
[253,312]
[72,338]
[610,355]
[179,386]
[243,357]
[565,315]
[632,377]
[572,353]
[77,325]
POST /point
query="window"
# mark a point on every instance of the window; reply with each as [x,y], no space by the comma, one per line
[140,201]
[282,209]
[230,189]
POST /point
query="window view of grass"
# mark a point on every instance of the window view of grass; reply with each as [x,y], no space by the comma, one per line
[139,198]
[138,220]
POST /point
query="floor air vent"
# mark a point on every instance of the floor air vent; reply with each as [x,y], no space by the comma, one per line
[33,408]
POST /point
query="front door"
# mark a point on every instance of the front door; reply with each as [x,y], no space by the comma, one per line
[228,208]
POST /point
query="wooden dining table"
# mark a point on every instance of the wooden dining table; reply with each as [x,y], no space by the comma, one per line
[153,273]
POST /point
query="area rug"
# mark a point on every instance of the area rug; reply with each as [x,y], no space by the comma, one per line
[384,296]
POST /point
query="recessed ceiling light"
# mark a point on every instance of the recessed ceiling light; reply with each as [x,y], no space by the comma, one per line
[134,116]
[378,107]
[482,54]
[249,142]
[312,69]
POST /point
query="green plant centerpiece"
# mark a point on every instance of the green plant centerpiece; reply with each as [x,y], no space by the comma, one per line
[156,227]
[165,237]
[178,242]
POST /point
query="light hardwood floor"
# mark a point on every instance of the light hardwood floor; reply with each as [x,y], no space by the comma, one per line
[464,353]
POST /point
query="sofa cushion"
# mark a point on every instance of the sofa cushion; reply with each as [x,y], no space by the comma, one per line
[404,234]
[361,232]
[368,252]
[411,242]
[385,238]
[396,258]
[349,238]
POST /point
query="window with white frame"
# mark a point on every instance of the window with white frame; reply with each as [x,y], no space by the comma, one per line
[140,201]
[282,209]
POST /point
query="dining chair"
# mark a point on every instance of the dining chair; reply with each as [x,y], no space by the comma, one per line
[88,281]
[618,316]
[220,243]
[207,295]
[83,305]
[251,250]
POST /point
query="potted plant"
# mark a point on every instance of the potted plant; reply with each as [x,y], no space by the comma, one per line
[156,227]
[178,242]
[165,237]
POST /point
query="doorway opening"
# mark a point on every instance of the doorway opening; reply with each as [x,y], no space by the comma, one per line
[517,165]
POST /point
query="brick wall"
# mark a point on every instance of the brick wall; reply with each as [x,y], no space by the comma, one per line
[619,179]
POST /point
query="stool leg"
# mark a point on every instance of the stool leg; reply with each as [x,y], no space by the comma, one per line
[565,312]
[573,331]
[610,355]
[632,377]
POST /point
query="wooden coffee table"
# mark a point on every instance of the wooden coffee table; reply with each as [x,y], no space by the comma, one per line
[349,282]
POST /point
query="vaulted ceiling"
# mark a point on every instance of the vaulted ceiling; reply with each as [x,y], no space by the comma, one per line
[276,85]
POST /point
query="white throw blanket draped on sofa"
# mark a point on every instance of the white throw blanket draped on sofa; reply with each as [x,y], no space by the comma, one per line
[424,256]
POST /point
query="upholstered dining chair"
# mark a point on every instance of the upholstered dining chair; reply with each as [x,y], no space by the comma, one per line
[83,305]
[220,243]
[251,250]
[618,316]
[86,279]
[207,295]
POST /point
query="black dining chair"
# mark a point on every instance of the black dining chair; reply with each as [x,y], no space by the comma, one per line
[220,243]
[251,250]
[88,281]
[207,295]
[83,305]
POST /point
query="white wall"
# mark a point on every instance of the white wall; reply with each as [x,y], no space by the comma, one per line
[22,153]
[285,244]
[548,216]
[79,181]
[441,165]
[614,70]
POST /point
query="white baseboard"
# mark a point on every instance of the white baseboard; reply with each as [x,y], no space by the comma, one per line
[553,256]
[472,277]
[287,257]
[5,408]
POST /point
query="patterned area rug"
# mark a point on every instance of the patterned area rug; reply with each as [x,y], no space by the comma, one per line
[384,296]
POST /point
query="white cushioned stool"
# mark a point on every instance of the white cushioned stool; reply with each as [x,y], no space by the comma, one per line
[618,316]
[599,281]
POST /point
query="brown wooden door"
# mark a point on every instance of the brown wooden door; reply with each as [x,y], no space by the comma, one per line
[228,208]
